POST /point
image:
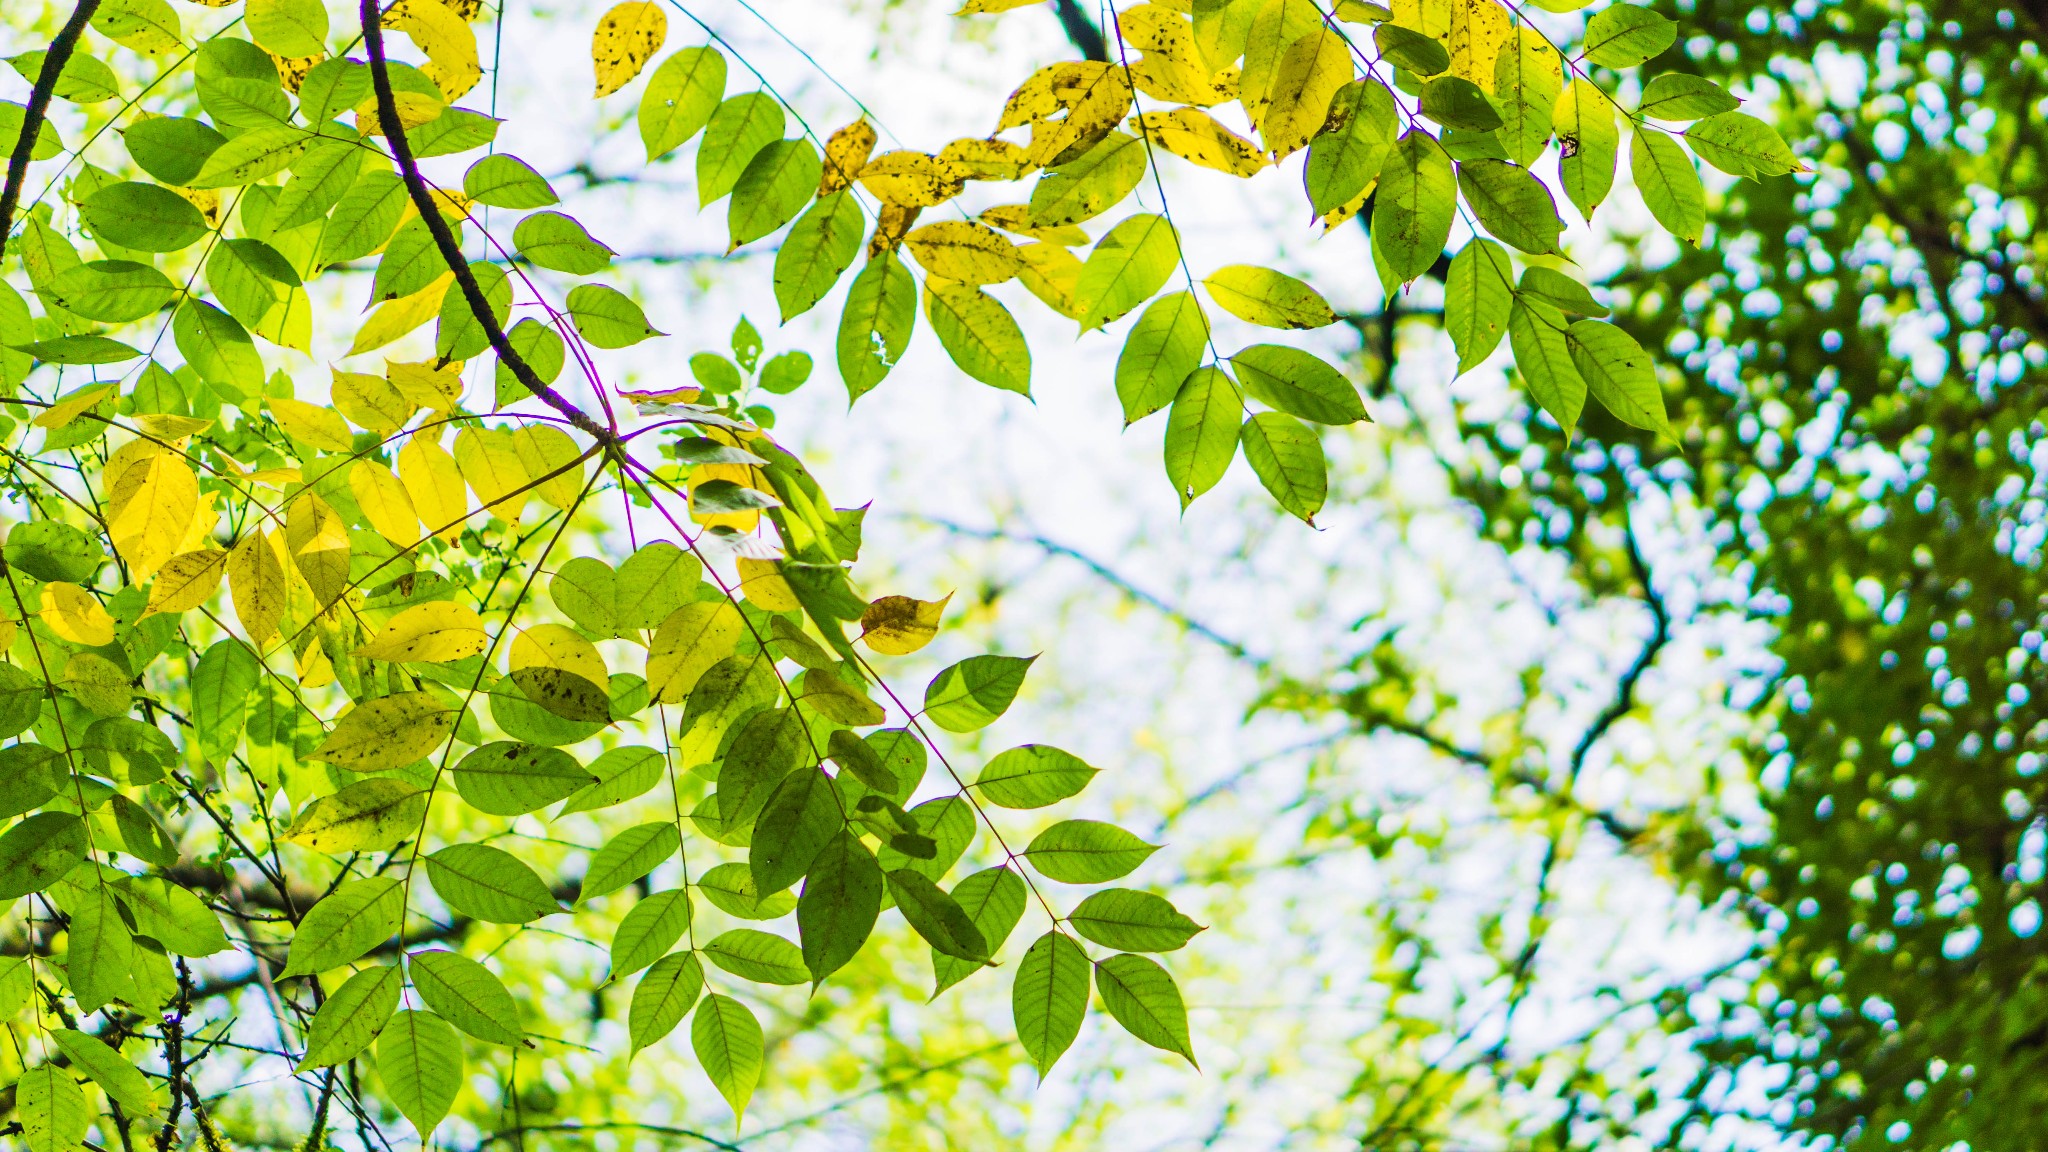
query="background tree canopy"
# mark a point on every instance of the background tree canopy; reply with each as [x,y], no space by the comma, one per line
[463,653]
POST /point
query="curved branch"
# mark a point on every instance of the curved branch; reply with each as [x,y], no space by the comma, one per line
[54,60]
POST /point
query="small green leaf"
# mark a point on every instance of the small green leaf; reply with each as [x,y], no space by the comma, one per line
[1033,776]
[622,773]
[1344,160]
[1588,143]
[842,896]
[1459,104]
[1526,84]
[486,883]
[786,372]
[680,97]
[171,148]
[51,1107]
[937,916]
[728,1043]
[947,824]
[1126,267]
[352,1016]
[114,291]
[802,815]
[1288,459]
[252,156]
[144,217]
[537,343]
[1742,145]
[762,957]
[1536,333]
[736,132]
[419,1058]
[776,185]
[1090,184]
[1086,852]
[1406,48]
[553,240]
[979,334]
[1201,432]
[881,311]
[1413,208]
[1143,998]
[974,692]
[172,916]
[628,856]
[287,27]
[607,317]
[817,251]
[1132,921]
[731,888]
[1623,36]
[1160,350]
[467,995]
[994,900]
[1511,204]
[649,930]
[502,180]
[353,919]
[38,851]
[1299,383]
[1619,374]
[1670,185]
[663,997]
[1478,293]
[83,79]
[364,219]
[1050,998]
[1676,96]
[506,778]
[1560,291]
[109,1069]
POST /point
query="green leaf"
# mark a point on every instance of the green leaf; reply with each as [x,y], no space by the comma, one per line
[553,240]
[39,851]
[353,919]
[680,98]
[994,901]
[1050,998]
[1459,104]
[144,217]
[467,995]
[491,884]
[1288,459]
[50,550]
[653,582]
[649,930]
[948,824]
[730,887]
[319,180]
[1273,299]
[1511,204]
[456,130]
[387,732]
[1670,185]
[81,350]
[101,959]
[1201,432]
[622,773]
[1126,267]
[936,916]
[170,148]
[114,291]
[1033,776]
[766,749]
[979,334]
[1143,998]
[1676,96]
[1411,50]
[1526,84]
[1536,333]
[17,984]
[1161,349]
[287,27]
[1619,374]
[1414,205]
[1742,145]
[218,348]
[364,219]
[109,1069]
[776,185]
[607,317]
[30,774]
[786,372]
[1478,293]
[1588,143]
[663,997]
[1560,291]
[141,836]
[13,118]
[51,1107]
[540,346]
[816,252]
[1623,36]
[841,898]
[351,1017]
[82,80]
[734,135]
[419,1058]
[1086,852]
[972,693]
[1090,184]
[1132,921]
[332,87]
[728,1043]
[881,310]
[802,816]
[505,181]
[629,856]
[459,336]
[222,680]
[1299,383]
[762,957]
[252,156]
[171,916]
[1345,159]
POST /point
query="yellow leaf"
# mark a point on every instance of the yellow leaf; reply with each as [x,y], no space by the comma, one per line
[1195,136]
[387,732]
[1171,67]
[276,477]
[1035,99]
[315,669]
[73,406]
[688,643]
[186,581]
[8,631]
[846,152]
[318,540]
[1052,274]
[431,633]
[73,614]
[169,427]
[384,502]
[1016,218]
[1095,97]
[1432,18]
[426,384]
[312,424]
[899,625]
[414,109]
[744,475]
[395,318]
[626,39]
[544,448]
[979,159]
[1345,211]
[205,518]
[762,584]
[910,179]
[435,485]
[449,44]
[370,402]
[289,323]
[991,7]
[490,462]
[1277,24]
[964,250]
[1310,72]
[291,70]
[890,226]
[256,585]
[557,646]
[151,506]
[373,815]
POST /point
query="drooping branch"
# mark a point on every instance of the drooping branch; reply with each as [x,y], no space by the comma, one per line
[54,60]
[445,241]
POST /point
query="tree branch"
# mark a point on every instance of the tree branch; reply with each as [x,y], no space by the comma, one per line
[59,54]
[1082,32]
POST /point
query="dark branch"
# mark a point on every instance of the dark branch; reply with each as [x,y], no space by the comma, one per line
[1082,31]
[38,109]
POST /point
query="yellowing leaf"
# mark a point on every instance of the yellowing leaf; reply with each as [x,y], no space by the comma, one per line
[692,639]
[151,506]
[426,384]
[431,633]
[909,179]
[891,225]
[1171,67]
[186,581]
[1266,297]
[166,426]
[900,625]
[1053,274]
[761,583]
[966,251]
[435,484]
[387,732]
[318,541]
[414,109]
[490,463]
[1307,78]
[1195,136]
[626,39]
[312,424]
[73,406]
[846,153]
[1095,98]
[73,614]
[744,475]
[256,585]
[448,42]
[992,7]
[373,815]
[1016,218]
[978,159]
[370,402]
[384,501]
[205,518]
[560,647]
[395,318]
[1479,28]
[545,448]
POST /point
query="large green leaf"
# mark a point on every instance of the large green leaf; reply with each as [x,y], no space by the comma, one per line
[353,919]
[974,692]
[680,98]
[649,930]
[762,957]
[1086,852]
[1033,776]
[419,1059]
[979,334]
[1670,185]
[1132,921]
[874,329]
[1511,204]
[1050,998]
[1287,458]
[1299,383]
[1201,432]
[994,900]
[145,217]
[1619,374]
[1414,205]
[776,185]
[728,1043]
[466,994]
[489,883]
[352,1016]
[508,778]
[1126,267]
[802,815]
[736,132]
[38,851]
[817,251]
[841,898]
[628,856]
[1478,293]
[663,997]
[1166,344]
[1143,998]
